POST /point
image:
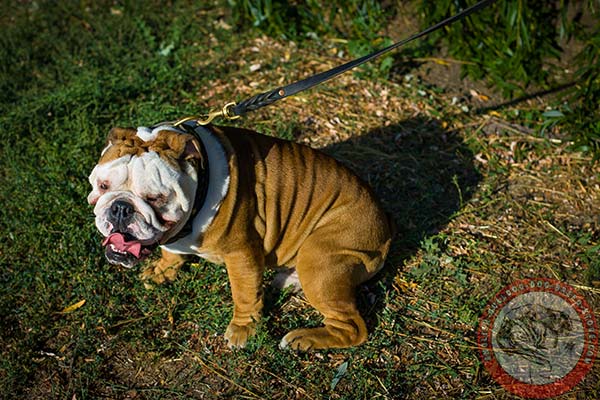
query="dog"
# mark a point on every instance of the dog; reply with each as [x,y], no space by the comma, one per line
[249,201]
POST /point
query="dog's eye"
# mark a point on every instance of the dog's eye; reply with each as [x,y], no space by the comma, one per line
[103,186]
[154,198]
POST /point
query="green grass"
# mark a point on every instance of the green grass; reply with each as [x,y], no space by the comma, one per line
[479,201]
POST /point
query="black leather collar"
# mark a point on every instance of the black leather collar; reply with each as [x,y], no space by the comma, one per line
[203,178]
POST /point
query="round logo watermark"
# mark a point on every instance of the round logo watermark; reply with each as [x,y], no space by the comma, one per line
[538,338]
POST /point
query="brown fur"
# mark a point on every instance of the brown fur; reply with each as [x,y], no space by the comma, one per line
[172,146]
[165,269]
[289,205]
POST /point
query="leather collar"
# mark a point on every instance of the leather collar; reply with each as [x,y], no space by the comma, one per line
[202,188]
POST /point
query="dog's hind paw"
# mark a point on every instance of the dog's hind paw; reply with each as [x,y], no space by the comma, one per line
[287,278]
[303,339]
[329,336]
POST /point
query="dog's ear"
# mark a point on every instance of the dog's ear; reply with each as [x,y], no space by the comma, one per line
[121,135]
[185,147]
[120,142]
[192,151]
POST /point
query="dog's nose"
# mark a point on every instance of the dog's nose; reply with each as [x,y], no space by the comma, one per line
[120,214]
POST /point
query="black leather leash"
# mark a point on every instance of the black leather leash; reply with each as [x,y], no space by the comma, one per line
[235,110]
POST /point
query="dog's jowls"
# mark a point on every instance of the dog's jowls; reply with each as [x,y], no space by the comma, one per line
[265,203]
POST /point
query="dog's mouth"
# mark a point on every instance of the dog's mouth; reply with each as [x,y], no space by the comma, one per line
[125,250]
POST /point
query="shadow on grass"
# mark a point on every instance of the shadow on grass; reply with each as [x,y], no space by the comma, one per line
[422,174]
[516,101]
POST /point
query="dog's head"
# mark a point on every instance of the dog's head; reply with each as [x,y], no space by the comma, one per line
[143,189]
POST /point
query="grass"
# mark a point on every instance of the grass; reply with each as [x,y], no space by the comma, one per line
[480,200]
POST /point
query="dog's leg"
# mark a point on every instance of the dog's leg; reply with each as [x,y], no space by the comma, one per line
[245,270]
[329,283]
[164,269]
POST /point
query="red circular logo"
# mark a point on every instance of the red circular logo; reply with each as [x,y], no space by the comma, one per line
[538,338]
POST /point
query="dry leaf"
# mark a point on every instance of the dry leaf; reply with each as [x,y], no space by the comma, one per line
[481,97]
[73,307]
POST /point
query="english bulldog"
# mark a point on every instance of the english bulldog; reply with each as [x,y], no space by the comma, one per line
[249,201]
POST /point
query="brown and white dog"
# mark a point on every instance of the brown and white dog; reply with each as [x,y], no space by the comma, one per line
[249,201]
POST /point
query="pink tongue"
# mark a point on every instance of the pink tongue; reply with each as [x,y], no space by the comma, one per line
[118,240]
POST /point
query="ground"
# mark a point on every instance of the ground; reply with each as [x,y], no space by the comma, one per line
[481,197]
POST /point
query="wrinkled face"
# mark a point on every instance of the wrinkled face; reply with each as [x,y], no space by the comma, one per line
[143,190]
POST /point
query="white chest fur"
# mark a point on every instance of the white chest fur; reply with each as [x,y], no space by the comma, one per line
[218,185]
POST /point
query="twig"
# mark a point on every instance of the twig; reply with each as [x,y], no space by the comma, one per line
[221,374]
[297,388]
[558,231]
[443,61]
[586,288]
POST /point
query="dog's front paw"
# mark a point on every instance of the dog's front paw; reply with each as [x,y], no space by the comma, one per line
[237,335]
[164,269]
[160,272]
